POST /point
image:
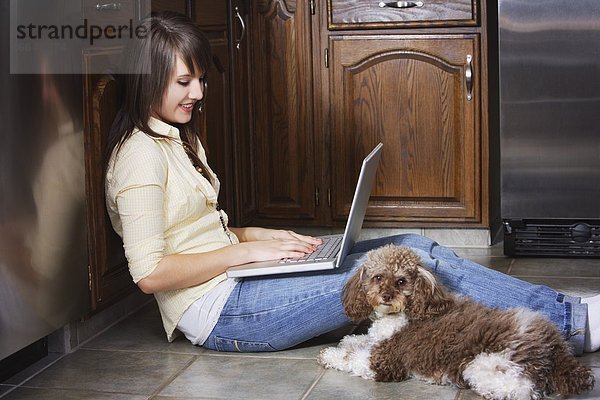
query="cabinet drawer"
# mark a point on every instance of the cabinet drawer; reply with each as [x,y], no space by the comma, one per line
[352,14]
[110,12]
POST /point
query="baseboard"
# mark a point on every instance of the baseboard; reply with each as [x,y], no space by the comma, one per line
[73,335]
[451,237]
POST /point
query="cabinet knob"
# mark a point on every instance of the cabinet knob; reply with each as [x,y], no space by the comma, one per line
[401,4]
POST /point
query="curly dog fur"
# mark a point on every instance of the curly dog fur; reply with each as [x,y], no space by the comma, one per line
[421,330]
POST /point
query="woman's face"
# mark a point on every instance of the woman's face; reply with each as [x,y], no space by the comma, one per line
[183,91]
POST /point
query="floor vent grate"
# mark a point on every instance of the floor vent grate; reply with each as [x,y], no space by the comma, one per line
[539,238]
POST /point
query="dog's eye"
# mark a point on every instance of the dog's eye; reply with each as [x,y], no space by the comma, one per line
[400,282]
[377,278]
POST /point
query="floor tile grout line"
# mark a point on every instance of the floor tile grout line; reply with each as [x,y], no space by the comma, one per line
[8,391]
[110,326]
[172,378]
[71,389]
[183,353]
[313,385]
[510,266]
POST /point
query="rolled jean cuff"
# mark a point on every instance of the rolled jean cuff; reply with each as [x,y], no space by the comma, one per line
[563,298]
[579,312]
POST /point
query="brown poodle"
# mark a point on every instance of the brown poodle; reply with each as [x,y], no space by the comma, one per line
[421,330]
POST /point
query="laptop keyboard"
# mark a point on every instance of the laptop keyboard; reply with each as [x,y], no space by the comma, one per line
[327,249]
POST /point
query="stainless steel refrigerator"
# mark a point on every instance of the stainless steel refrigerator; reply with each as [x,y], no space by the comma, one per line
[549,82]
[43,248]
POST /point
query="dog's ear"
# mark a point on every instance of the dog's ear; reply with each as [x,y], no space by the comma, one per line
[355,299]
[429,297]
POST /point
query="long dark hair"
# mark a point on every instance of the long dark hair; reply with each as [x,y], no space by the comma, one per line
[171,35]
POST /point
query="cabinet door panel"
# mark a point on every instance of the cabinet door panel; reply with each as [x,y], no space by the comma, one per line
[216,121]
[110,280]
[242,106]
[283,125]
[410,93]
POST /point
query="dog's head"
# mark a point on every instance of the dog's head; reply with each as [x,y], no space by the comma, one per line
[392,280]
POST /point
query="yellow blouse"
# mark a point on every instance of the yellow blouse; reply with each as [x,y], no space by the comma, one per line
[160,205]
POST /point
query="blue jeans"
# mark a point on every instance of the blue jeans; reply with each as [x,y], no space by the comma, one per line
[278,312]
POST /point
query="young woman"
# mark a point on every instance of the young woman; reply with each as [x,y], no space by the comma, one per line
[162,200]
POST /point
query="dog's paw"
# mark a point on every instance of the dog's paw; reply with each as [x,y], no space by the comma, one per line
[333,358]
[355,362]
[360,364]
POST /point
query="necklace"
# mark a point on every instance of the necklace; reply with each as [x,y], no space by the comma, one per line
[205,176]
[223,223]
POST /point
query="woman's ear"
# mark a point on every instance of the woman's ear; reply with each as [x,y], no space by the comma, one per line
[355,299]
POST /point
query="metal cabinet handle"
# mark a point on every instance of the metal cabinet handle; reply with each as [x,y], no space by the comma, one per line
[401,4]
[469,77]
[238,42]
[108,7]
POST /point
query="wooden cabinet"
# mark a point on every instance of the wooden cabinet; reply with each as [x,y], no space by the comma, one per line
[109,278]
[413,78]
[414,93]
[283,117]
[332,78]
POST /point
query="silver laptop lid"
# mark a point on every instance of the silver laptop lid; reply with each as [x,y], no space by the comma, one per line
[359,203]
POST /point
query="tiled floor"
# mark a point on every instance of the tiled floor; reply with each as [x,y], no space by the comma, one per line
[132,360]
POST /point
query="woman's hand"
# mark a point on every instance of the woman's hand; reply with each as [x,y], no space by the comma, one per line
[275,249]
[255,234]
[273,244]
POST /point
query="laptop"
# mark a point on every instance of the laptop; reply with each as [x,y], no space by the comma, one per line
[334,249]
